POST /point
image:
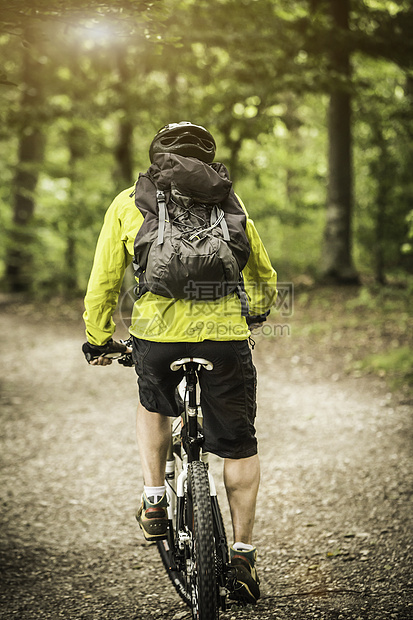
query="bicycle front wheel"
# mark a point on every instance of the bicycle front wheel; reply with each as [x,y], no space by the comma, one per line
[201,575]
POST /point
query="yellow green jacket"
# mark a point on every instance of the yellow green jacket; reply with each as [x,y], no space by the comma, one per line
[159,318]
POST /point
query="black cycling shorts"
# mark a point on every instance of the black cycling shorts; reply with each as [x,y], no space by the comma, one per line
[228,391]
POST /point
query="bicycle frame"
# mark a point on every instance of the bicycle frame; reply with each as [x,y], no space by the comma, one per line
[189,436]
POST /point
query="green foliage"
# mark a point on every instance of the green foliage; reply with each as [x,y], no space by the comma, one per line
[255,73]
[389,314]
[395,364]
[383,161]
[407,247]
[365,330]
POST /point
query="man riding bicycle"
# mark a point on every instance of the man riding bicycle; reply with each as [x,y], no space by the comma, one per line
[165,328]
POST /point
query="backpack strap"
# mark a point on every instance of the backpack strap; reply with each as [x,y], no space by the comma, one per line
[243,297]
[161,200]
[218,218]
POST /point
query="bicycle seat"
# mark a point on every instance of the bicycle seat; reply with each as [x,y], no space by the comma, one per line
[177,364]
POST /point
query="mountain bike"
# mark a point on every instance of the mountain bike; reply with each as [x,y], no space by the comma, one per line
[195,550]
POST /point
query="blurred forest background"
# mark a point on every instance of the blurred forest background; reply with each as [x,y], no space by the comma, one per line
[310,102]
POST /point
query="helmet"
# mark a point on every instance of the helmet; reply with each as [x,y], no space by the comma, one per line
[184,139]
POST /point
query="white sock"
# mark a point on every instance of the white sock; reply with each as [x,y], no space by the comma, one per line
[155,492]
[239,546]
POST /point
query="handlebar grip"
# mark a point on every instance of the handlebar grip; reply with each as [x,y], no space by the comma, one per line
[115,348]
[109,350]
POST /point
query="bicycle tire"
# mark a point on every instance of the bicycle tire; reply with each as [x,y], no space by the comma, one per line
[202,578]
[209,522]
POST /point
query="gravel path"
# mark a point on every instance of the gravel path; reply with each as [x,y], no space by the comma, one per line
[334,520]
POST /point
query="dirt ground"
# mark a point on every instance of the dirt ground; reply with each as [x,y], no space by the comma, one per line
[334,518]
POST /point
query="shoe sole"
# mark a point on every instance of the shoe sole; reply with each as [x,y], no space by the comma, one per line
[158,531]
[243,594]
[242,591]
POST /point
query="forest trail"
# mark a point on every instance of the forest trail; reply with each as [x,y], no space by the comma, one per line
[334,518]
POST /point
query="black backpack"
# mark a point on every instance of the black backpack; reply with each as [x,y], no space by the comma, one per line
[192,243]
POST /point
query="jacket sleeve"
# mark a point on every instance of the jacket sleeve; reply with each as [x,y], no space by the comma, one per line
[110,262]
[260,279]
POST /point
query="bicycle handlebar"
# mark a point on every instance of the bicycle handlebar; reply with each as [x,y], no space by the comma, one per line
[114,350]
[121,351]
[117,349]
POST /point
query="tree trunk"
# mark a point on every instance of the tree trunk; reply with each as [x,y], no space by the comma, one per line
[337,252]
[123,152]
[75,143]
[30,155]
[233,164]
[384,181]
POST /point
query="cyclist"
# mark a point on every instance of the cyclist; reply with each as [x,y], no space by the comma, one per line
[164,329]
